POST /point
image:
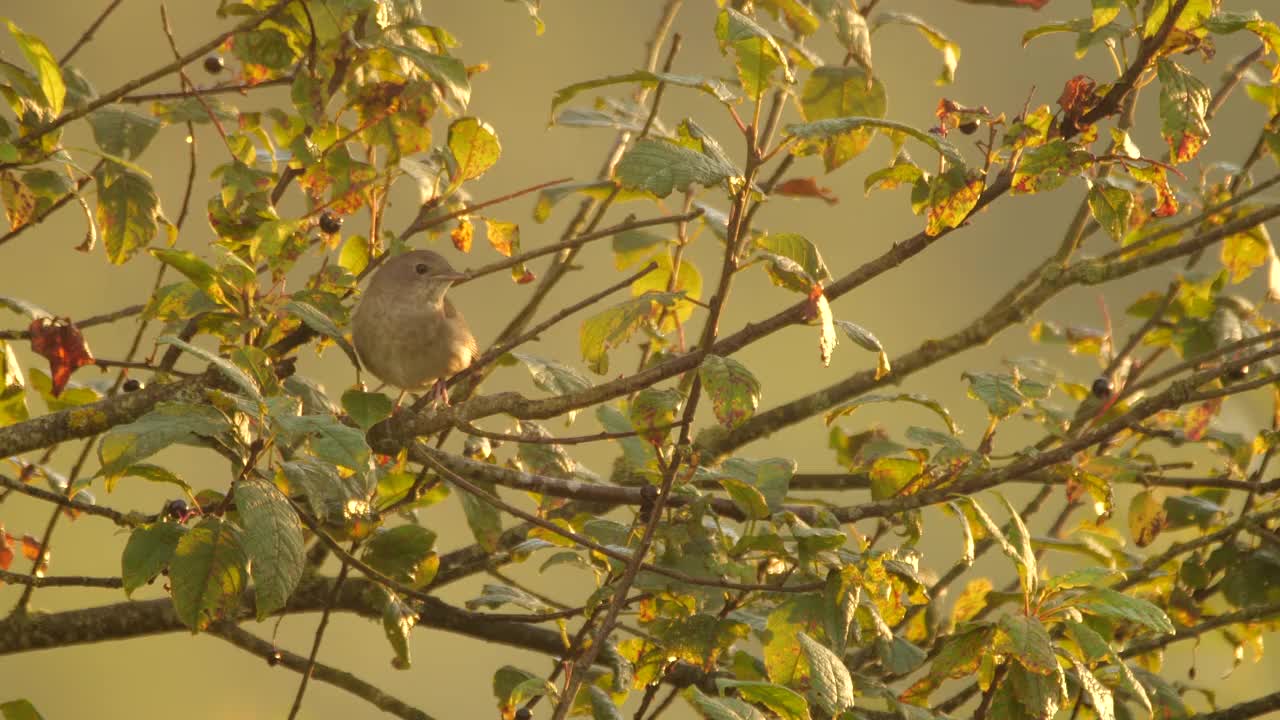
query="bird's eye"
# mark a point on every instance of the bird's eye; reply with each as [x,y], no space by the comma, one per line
[421,268]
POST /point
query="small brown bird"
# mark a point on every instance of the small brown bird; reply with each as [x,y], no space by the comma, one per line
[405,330]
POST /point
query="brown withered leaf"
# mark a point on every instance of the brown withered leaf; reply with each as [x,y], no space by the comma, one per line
[59,341]
[806,187]
[1078,97]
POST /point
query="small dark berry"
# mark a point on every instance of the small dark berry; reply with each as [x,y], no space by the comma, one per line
[1237,374]
[131,385]
[1102,388]
[330,223]
[969,128]
[176,508]
[524,714]
[214,64]
[274,658]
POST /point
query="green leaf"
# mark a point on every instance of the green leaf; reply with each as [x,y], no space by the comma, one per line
[1184,102]
[655,408]
[834,127]
[121,132]
[962,652]
[1099,695]
[482,517]
[168,423]
[327,495]
[748,499]
[553,377]
[19,710]
[758,53]
[72,396]
[889,476]
[366,408]
[663,166]
[771,476]
[611,328]
[998,392]
[1025,638]
[711,86]
[1050,165]
[950,51]
[226,367]
[449,72]
[898,655]
[1104,11]
[1012,551]
[127,210]
[398,621]
[495,596]
[200,273]
[836,92]
[193,110]
[272,541]
[785,702]
[1020,539]
[47,70]
[330,440]
[13,393]
[783,658]
[712,708]
[829,678]
[154,473]
[864,339]
[602,706]
[1110,603]
[799,250]
[1112,206]
[734,391]
[404,553]
[207,573]
[1040,695]
[313,318]
[475,148]
[923,401]
[148,552]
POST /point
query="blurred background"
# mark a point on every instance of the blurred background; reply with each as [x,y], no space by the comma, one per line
[932,295]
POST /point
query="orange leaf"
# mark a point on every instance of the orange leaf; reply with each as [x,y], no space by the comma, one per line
[30,547]
[463,234]
[806,187]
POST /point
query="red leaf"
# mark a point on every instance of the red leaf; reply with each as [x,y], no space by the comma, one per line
[806,187]
[60,342]
[526,277]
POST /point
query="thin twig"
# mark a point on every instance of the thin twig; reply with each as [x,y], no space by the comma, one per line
[87,35]
[60,581]
[119,92]
[379,698]
[310,666]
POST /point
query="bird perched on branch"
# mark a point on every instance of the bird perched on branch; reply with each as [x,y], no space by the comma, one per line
[406,331]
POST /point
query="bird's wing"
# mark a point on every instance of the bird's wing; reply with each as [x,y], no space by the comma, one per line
[451,313]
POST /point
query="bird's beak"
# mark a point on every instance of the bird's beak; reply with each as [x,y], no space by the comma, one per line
[454,276]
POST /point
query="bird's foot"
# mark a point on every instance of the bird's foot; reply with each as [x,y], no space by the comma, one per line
[440,393]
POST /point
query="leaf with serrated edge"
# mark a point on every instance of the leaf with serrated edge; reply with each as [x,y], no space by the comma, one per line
[272,541]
